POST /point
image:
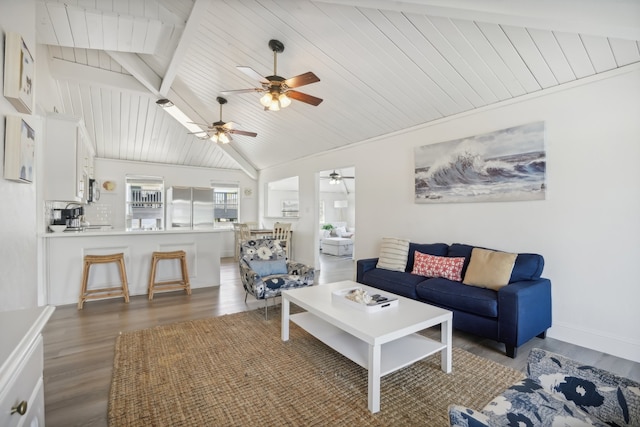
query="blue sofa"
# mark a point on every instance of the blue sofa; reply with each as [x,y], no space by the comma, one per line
[512,315]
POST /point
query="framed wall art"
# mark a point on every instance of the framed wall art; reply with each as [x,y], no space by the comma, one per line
[19,72]
[505,165]
[19,150]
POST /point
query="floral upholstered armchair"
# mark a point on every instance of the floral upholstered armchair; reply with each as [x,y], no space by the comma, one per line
[558,391]
[265,270]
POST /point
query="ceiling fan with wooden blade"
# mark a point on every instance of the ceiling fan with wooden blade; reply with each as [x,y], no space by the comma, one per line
[278,91]
[335,178]
[221,131]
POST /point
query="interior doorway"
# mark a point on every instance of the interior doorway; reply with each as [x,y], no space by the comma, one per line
[337,235]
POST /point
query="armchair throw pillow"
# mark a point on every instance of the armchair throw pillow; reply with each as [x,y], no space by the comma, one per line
[438,266]
[393,254]
[269,267]
[489,269]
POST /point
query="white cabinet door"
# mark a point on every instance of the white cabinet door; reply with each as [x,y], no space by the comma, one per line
[60,153]
[68,160]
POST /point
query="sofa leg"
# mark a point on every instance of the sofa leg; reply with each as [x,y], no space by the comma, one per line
[512,351]
[543,335]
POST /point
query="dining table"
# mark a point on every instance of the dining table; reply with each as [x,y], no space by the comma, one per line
[261,232]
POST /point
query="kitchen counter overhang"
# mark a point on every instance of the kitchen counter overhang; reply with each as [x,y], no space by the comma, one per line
[112,232]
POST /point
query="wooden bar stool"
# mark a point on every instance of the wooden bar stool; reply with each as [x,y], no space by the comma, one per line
[100,293]
[170,285]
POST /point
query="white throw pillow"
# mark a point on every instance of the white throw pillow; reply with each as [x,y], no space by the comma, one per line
[340,231]
[393,254]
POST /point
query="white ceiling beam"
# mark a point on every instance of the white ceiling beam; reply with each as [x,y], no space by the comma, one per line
[198,13]
[71,71]
[607,18]
[182,97]
[138,69]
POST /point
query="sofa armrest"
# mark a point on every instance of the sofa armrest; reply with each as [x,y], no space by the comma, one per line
[612,399]
[524,310]
[364,265]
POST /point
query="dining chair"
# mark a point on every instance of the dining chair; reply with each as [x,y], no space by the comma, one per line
[282,233]
[241,233]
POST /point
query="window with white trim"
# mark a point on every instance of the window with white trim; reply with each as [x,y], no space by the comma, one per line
[226,201]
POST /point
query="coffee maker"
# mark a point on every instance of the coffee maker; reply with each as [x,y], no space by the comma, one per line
[68,217]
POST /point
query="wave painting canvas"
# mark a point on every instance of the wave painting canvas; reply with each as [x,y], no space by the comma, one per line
[505,165]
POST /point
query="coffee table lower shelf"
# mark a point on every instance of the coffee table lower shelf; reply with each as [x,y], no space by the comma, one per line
[395,354]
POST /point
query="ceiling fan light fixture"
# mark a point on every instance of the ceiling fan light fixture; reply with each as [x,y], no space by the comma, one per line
[222,137]
[274,105]
[266,99]
[284,100]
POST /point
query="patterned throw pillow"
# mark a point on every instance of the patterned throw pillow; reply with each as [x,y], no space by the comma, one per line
[393,254]
[438,266]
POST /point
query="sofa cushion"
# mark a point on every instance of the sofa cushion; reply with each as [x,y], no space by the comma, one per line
[438,266]
[399,283]
[437,249]
[527,266]
[489,269]
[393,254]
[456,296]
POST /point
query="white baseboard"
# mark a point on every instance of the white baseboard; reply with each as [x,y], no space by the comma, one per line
[595,340]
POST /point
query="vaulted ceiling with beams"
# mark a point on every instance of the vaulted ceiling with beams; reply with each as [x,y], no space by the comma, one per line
[383,66]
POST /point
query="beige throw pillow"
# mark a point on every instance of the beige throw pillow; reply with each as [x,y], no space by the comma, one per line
[489,269]
[393,254]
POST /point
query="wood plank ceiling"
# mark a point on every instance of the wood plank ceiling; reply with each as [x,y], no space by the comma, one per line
[384,67]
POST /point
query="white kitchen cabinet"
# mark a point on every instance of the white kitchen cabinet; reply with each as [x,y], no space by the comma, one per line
[68,159]
[21,366]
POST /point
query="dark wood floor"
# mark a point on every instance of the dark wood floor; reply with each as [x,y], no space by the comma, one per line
[79,345]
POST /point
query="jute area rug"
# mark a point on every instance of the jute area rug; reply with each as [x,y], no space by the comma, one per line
[234,370]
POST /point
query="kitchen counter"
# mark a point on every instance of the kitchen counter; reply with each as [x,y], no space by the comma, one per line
[65,251]
[92,232]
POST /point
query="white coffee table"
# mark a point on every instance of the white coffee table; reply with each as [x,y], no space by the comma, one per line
[381,342]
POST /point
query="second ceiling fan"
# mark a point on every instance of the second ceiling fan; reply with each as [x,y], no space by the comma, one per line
[221,131]
[278,91]
[335,177]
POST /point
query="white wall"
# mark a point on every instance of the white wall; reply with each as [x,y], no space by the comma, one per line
[115,170]
[588,228]
[18,241]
